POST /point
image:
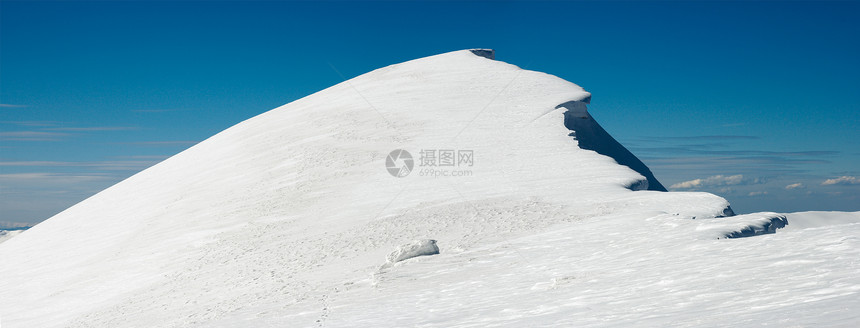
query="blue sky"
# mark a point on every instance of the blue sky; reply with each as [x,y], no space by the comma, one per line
[743,99]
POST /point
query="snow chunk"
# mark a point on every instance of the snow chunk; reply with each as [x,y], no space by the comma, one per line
[413,249]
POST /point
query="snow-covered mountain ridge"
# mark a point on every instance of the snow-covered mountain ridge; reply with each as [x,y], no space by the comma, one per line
[286,219]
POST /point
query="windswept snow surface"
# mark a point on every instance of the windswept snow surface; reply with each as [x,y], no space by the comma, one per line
[286,219]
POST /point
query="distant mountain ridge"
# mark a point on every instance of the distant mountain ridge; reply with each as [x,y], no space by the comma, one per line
[6,234]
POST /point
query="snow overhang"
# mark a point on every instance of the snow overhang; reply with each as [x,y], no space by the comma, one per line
[486,53]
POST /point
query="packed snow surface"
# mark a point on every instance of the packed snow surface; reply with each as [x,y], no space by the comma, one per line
[286,220]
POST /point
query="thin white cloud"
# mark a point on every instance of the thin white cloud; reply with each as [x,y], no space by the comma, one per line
[66,126]
[150,157]
[154,110]
[94,128]
[35,163]
[11,106]
[843,180]
[31,135]
[103,165]
[51,177]
[164,143]
[50,131]
[794,186]
[757,193]
[34,123]
[716,180]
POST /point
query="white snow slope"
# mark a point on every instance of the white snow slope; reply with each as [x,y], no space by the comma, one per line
[286,219]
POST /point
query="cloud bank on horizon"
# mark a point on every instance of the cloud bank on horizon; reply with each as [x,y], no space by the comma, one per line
[843,180]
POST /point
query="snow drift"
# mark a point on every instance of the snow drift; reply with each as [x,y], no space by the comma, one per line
[747,225]
[284,219]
